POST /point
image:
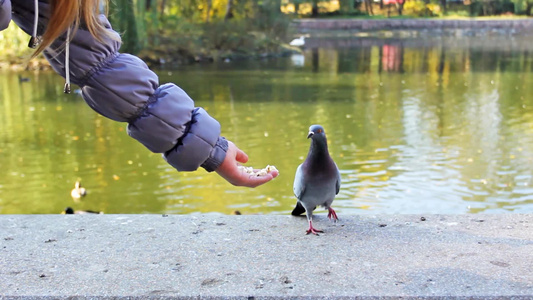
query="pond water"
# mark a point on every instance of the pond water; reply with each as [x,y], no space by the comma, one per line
[433,125]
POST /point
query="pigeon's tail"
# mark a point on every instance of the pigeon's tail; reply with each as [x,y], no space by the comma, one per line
[298,210]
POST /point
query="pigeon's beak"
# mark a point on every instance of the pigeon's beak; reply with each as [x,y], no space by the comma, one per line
[310,134]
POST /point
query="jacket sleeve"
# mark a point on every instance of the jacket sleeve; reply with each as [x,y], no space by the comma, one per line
[5,13]
[122,87]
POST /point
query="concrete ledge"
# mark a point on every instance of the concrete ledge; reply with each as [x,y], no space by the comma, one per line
[220,256]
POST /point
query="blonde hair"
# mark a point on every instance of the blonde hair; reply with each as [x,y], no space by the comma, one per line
[68,14]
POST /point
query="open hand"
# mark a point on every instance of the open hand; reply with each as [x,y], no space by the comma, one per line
[229,169]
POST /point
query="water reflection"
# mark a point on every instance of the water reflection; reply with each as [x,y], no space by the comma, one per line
[443,125]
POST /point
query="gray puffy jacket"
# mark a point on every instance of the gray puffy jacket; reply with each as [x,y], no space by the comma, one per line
[121,87]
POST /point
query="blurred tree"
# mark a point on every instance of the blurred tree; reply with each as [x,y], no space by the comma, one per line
[229,10]
[444,6]
[347,6]
[399,6]
[314,9]
[368,7]
[122,16]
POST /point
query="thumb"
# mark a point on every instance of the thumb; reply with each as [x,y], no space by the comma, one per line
[240,156]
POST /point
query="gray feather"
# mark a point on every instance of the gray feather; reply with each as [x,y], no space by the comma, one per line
[299,183]
[338,184]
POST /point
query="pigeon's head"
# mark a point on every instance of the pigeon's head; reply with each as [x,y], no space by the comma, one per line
[316,132]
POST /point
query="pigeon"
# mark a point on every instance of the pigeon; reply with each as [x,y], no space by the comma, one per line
[317,180]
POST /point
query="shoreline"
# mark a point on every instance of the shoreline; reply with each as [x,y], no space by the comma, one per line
[378,28]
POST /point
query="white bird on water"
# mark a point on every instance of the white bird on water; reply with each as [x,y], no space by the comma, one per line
[78,191]
[299,42]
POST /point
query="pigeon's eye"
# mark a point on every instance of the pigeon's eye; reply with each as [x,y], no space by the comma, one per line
[319,131]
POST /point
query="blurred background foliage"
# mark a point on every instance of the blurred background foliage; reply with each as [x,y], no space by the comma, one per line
[199,29]
[182,31]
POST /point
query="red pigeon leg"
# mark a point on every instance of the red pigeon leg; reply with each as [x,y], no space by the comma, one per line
[313,230]
[332,214]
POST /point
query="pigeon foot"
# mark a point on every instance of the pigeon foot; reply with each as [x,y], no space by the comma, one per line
[313,230]
[332,214]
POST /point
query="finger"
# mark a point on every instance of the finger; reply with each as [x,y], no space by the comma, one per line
[240,156]
[273,173]
[255,181]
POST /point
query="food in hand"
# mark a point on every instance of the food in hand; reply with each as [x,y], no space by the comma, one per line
[262,172]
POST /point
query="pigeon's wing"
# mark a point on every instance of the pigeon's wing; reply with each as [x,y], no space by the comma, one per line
[338,183]
[299,189]
[299,183]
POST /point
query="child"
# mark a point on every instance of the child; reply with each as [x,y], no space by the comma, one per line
[82,47]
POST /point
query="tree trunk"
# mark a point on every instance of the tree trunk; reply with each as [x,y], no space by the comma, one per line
[400,10]
[162,9]
[208,10]
[347,6]
[314,10]
[154,26]
[369,10]
[444,6]
[277,4]
[140,22]
[229,10]
[123,20]
[399,7]
[314,60]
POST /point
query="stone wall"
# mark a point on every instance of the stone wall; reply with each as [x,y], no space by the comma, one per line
[514,25]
